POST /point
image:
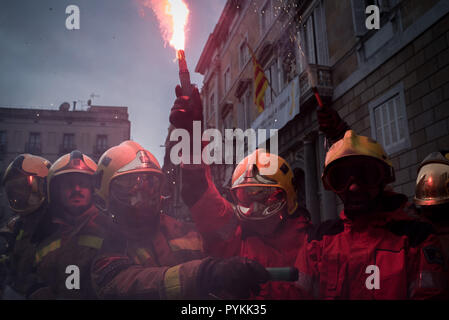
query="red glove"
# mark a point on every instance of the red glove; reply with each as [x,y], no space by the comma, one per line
[232,278]
[331,124]
[186,109]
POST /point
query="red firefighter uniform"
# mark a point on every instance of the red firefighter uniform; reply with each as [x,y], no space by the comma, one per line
[28,234]
[432,196]
[385,255]
[226,232]
[375,250]
[162,265]
[24,182]
[63,260]
[150,255]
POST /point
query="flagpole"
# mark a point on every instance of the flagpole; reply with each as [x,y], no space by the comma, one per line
[254,57]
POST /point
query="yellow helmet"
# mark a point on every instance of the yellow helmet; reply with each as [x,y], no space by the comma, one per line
[24,182]
[128,157]
[262,169]
[353,145]
[73,162]
[432,182]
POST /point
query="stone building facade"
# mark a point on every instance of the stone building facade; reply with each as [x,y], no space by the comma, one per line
[389,83]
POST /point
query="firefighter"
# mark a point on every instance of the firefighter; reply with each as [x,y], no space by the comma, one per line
[63,258]
[266,223]
[374,250]
[24,183]
[432,195]
[150,255]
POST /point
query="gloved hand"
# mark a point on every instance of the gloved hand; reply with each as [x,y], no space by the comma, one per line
[186,109]
[330,123]
[232,278]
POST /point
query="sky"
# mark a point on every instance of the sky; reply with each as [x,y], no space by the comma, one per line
[118,54]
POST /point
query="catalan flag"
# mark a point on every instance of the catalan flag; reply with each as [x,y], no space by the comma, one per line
[260,83]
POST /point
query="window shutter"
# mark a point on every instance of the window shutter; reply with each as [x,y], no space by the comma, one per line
[359,17]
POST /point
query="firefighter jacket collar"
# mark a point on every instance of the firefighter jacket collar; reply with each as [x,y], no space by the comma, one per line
[64,226]
[390,210]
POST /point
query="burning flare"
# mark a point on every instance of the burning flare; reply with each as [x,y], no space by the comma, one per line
[172,16]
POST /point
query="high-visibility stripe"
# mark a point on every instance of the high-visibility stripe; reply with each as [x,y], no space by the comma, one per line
[90,241]
[20,235]
[142,255]
[172,283]
[47,249]
[192,241]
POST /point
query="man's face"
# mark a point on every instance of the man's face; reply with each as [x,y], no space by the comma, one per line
[358,182]
[75,191]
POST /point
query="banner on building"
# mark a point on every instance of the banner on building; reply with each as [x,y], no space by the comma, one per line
[283,109]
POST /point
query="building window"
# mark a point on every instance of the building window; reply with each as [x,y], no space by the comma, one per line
[389,120]
[2,143]
[35,138]
[313,38]
[359,13]
[245,105]
[272,74]
[101,144]
[227,121]
[227,79]
[266,16]
[243,54]
[211,112]
[102,141]
[34,143]
[68,140]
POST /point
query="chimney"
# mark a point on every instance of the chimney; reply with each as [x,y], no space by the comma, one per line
[74,105]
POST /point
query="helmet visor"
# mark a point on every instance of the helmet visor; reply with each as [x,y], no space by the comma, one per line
[367,172]
[258,202]
[432,184]
[136,189]
[23,192]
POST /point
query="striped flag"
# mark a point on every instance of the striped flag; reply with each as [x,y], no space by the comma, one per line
[260,83]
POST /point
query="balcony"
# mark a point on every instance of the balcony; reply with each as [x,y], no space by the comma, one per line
[67,148]
[33,148]
[316,76]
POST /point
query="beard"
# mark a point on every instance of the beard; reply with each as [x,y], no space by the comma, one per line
[135,221]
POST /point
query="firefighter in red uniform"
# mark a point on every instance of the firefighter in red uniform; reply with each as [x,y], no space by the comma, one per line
[375,250]
[432,196]
[150,255]
[24,183]
[63,259]
[266,224]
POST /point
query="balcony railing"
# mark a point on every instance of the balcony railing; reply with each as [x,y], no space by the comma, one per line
[33,148]
[315,76]
[64,149]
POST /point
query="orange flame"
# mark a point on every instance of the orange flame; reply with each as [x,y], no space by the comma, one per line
[172,16]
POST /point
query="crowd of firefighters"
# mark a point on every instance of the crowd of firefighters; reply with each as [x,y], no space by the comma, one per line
[106,219]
